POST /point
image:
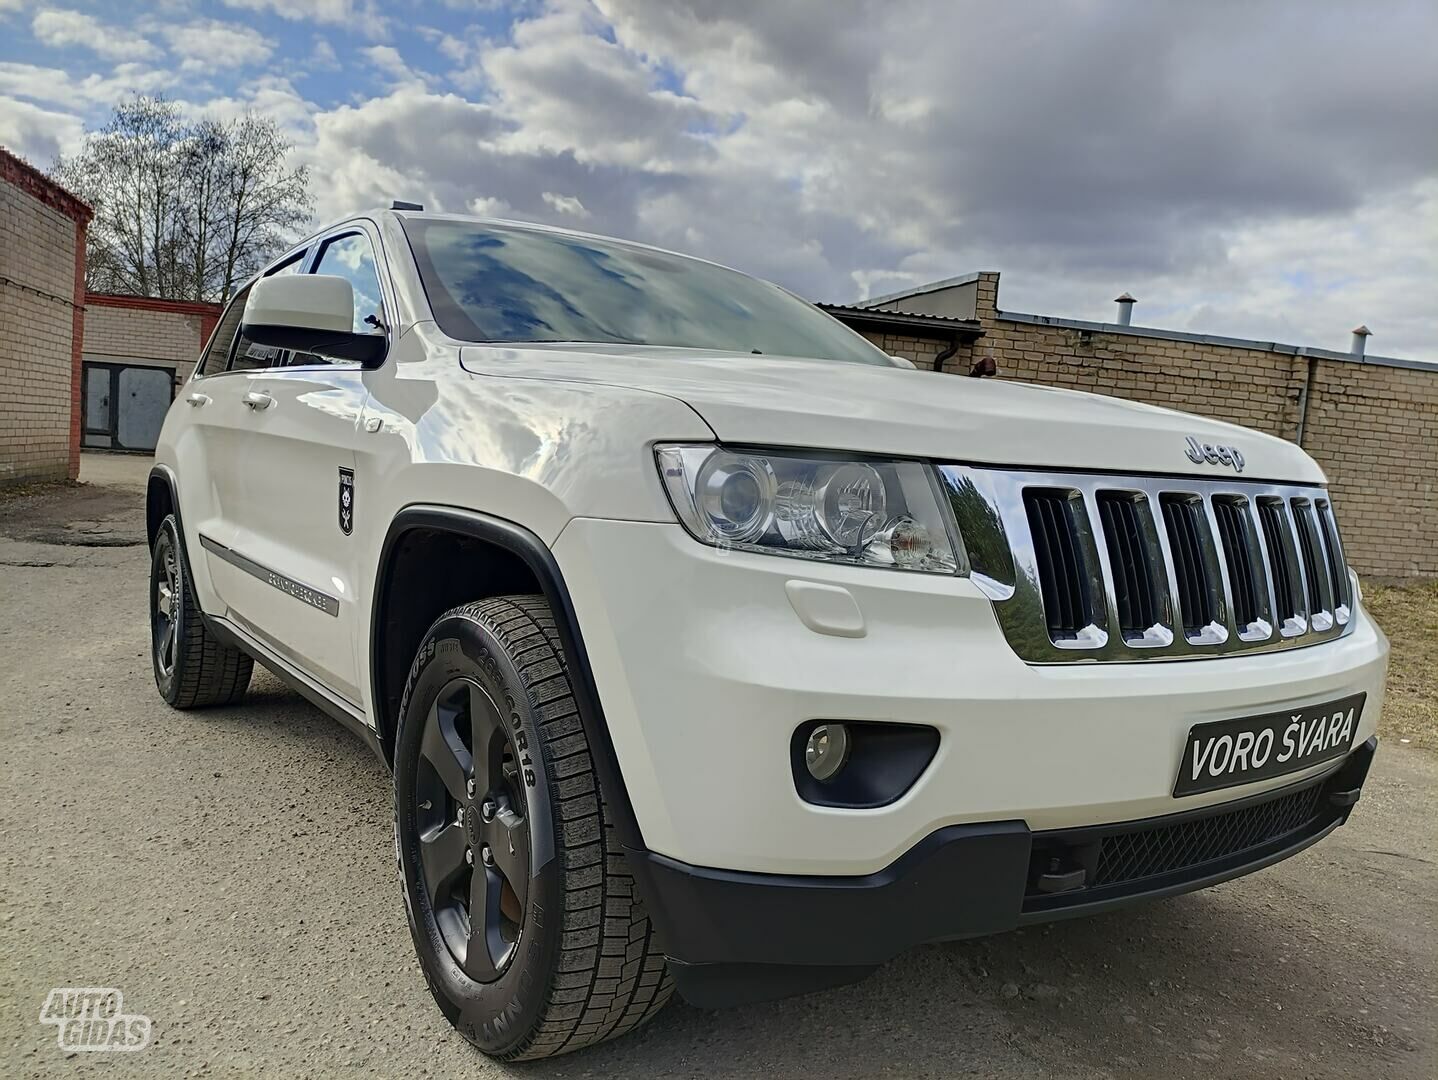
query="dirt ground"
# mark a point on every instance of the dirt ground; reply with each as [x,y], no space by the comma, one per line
[232,872]
[1409,615]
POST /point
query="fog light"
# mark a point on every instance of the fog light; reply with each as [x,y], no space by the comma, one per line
[826,751]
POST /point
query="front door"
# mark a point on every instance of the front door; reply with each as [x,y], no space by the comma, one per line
[302,498]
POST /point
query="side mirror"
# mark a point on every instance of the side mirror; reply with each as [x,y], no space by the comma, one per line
[903,362]
[311,313]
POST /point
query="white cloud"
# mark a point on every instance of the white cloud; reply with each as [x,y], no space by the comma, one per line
[38,135]
[452,48]
[361,16]
[323,56]
[483,206]
[271,96]
[58,87]
[564,204]
[205,44]
[387,59]
[60,28]
[568,88]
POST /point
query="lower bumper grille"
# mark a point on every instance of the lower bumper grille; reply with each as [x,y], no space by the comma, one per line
[1095,867]
[1133,856]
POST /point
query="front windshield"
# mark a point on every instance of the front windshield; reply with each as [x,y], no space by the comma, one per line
[497,283]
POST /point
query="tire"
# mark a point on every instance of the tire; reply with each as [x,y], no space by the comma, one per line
[192,669]
[567,957]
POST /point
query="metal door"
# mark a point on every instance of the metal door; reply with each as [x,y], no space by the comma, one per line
[125,405]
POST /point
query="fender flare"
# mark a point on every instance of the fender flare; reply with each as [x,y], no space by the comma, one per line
[166,476]
[536,555]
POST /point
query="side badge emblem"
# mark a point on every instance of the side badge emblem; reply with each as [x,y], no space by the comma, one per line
[347,501]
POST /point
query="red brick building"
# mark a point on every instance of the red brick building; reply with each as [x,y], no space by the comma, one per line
[42,329]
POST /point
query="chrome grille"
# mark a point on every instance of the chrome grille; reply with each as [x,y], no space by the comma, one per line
[1097,567]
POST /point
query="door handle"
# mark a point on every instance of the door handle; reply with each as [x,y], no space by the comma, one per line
[198,399]
[258,401]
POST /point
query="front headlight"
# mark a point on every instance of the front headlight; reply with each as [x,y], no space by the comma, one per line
[848,510]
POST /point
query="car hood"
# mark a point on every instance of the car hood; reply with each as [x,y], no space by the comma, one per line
[781,401]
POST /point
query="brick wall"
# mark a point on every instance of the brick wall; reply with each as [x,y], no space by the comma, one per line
[140,329]
[1373,428]
[42,288]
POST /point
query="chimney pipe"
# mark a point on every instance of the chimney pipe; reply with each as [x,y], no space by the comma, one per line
[1125,309]
[1360,340]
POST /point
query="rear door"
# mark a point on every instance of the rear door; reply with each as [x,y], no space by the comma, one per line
[296,528]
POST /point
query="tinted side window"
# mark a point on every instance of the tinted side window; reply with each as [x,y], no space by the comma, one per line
[224,335]
[351,257]
[249,356]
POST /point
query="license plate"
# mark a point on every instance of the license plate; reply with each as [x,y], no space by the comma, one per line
[1231,752]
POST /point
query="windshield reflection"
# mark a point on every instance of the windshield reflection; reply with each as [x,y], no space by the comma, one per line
[500,283]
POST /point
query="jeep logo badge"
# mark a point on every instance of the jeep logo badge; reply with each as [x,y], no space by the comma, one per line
[1199,452]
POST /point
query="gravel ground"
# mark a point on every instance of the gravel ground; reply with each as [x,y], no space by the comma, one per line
[232,873]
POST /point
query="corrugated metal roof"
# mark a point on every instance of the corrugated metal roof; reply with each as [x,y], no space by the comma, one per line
[944,323]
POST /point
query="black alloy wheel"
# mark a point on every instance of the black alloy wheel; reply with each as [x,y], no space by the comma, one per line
[192,667]
[524,913]
[473,829]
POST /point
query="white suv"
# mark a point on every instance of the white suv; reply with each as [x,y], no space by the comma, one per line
[711,647]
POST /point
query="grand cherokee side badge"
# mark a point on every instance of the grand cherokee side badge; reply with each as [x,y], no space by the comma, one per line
[347,501]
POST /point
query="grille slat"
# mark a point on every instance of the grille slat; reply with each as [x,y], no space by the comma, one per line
[1275,541]
[1134,597]
[1337,567]
[1060,564]
[1308,550]
[1233,527]
[1183,519]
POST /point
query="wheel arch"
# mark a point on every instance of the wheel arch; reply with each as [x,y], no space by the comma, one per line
[161,499]
[517,543]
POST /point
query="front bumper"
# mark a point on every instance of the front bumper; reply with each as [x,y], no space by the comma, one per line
[737,937]
[706,662]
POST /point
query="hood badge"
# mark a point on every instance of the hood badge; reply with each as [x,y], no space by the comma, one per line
[1199,452]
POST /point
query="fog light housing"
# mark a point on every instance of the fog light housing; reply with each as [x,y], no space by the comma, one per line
[826,751]
[859,764]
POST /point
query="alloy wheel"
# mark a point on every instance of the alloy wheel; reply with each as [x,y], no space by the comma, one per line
[473,829]
[166,608]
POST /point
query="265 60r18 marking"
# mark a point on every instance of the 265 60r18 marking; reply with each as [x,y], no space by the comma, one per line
[192,669]
[521,905]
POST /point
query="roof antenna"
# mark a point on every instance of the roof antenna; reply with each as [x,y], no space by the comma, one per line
[400,204]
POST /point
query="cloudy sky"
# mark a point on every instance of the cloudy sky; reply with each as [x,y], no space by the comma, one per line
[1259,169]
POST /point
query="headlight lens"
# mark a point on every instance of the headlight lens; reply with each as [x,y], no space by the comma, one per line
[870,513]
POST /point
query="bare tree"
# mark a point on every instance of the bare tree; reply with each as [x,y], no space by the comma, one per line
[184,209]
